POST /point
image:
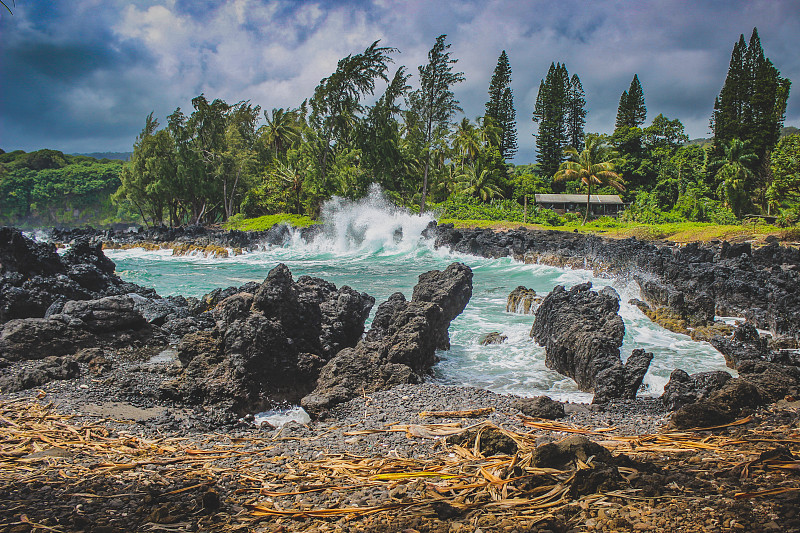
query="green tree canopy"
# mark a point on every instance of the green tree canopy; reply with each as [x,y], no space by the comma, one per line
[434,103]
[631,112]
[500,107]
[752,103]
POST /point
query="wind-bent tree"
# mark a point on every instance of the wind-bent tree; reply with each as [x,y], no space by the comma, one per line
[631,112]
[594,166]
[337,99]
[500,107]
[380,138]
[434,103]
[148,178]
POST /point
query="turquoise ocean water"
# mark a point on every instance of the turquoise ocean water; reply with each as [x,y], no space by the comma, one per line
[375,248]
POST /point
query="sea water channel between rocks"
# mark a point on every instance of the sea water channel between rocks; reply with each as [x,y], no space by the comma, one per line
[375,248]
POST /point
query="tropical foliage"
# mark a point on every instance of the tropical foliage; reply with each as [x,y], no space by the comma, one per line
[223,161]
[593,167]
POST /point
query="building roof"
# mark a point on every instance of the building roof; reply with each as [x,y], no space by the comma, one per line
[608,199]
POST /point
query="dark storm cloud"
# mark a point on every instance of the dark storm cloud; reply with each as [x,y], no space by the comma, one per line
[81,76]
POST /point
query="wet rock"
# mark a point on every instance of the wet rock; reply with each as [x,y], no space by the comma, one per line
[744,345]
[523,300]
[494,337]
[540,407]
[582,332]
[683,389]
[269,343]
[39,373]
[401,346]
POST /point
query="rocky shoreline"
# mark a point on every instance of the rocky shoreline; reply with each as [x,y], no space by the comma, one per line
[74,334]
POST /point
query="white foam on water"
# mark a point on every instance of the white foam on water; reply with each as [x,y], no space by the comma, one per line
[378,248]
[280,417]
[371,225]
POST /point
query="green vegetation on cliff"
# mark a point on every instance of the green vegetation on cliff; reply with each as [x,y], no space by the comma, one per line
[47,187]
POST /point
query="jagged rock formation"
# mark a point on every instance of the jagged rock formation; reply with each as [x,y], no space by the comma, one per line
[582,332]
[33,277]
[400,347]
[765,376]
[687,285]
[269,344]
[522,300]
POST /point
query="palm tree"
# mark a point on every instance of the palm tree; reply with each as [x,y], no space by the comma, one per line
[479,182]
[281,130]
[292,178]
[467,141]
[735,173]
[593,166]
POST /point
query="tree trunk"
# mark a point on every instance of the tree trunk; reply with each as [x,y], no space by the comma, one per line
[425,183]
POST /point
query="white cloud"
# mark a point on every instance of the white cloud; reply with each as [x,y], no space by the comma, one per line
[274,52]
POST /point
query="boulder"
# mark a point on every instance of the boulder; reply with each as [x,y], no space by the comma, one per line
[41,372]
[401,345]
[78,324]
[493,337]
[683,389]
[33,277]
[581,331]
[540,407]
[722,407]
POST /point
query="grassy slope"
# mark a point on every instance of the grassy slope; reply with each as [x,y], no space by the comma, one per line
[681,232]
[267,221]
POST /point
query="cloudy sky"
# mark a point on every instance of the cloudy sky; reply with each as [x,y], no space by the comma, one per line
[81,76]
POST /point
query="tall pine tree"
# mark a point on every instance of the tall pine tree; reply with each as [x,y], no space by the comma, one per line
[576,113]
[550,113]
[500,107]
[631,112]
[752,103]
